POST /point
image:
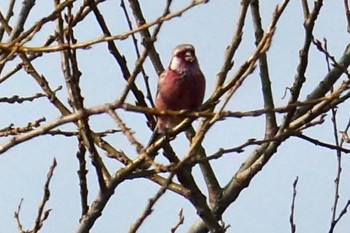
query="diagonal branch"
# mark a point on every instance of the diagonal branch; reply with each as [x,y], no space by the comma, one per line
[271,124]
[148,40]
[72,76]
[309,24]
[232,48]
[328,81]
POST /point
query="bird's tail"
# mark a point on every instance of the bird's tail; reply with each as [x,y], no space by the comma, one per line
[154,137]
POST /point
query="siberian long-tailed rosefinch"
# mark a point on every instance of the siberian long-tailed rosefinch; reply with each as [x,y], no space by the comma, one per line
[180,87]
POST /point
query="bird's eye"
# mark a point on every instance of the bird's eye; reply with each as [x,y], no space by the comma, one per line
[183,54]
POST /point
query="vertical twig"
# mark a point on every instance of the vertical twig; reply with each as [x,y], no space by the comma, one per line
[148,40]
[299,79]
[82,174]
[345,136]
[335,219]
[43,215]
[271,123]
[306,10]
[145,76]
[17,29]
[16,215]
[347,14]
[292,208]
[27,5]
[72,77]
[235,42]
[120,59]
[336,140]
[179,223]
[152,201]
[6,18]
[262,154]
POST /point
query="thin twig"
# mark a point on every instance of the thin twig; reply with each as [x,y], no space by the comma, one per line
[344,133]
[82,174]
[179,223]
[16,216]
[232,48]
[152,201]
[72,77]
[20,99]
[83,11]
[347,14]
[88,44]
[72,117]
[137,50]
[6,19]
[323,144]
[44,214]
[271,123]
[300,79]
[292,208]
[10,130]
[342,213]
[126,131]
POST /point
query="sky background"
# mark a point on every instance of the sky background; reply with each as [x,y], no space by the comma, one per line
[263,207]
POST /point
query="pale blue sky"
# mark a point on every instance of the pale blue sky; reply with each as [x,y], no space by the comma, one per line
[263,207]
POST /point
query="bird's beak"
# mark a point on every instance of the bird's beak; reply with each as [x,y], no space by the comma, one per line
[189,57]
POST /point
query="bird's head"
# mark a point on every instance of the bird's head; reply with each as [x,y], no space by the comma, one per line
[183,57]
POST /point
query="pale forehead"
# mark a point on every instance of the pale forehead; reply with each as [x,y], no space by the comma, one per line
[183,47]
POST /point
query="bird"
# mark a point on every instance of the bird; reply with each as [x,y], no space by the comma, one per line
[180,87]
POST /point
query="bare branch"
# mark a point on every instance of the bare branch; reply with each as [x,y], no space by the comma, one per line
[342,213]
[43,215]
[148,40]
[305,9]
[72,77]
[299,78]
[179,223]
[235,42]
[292,208]
[18,99]
[72,117]
[6,19]
[271,124]
[148,210]
[18,220]
[211,181]
[84,45]
[347,13]
[95,211]
[319,143]
[126,131]
[10,130]
[328,81]
[344,133]
[210,200]
[82,174]
[23,15]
